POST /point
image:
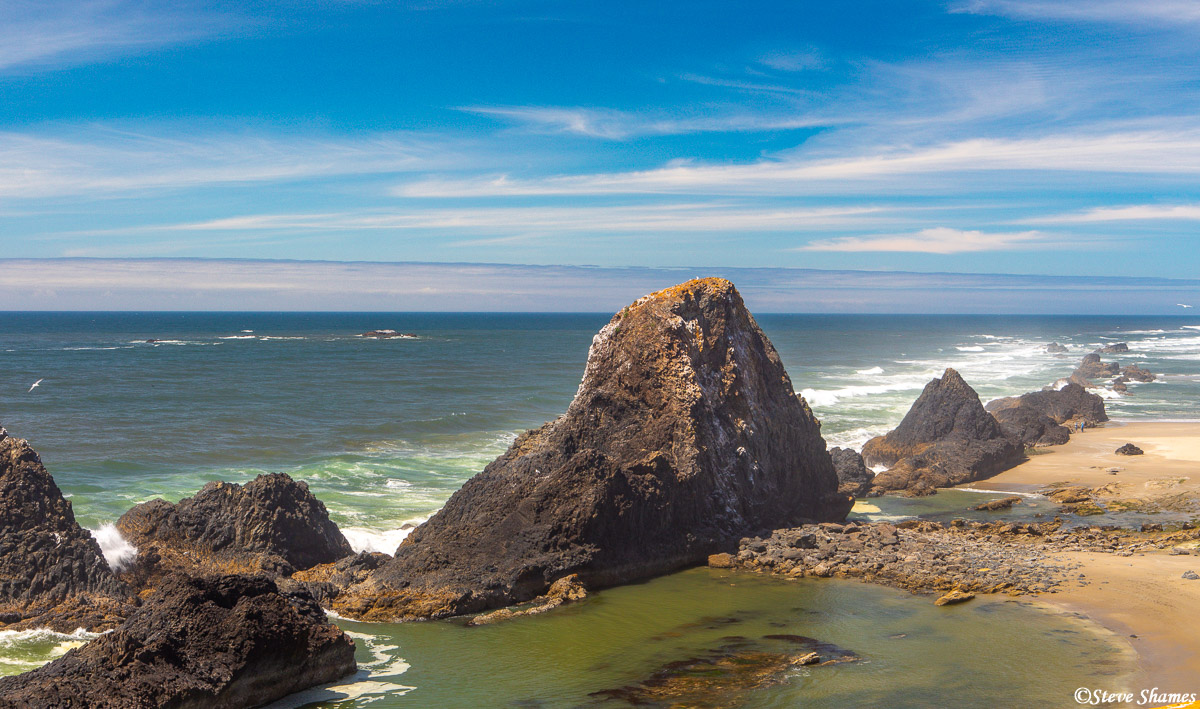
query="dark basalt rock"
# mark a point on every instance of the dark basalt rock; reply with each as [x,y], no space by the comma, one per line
[945,439]
[1055,348]
[1091,367]
[1114,348]
[685,435]
[1031,427]
[196,643]
[52,572]
[1129,449]
[853,476]
[272,523]
[1137,374]
[1071,403]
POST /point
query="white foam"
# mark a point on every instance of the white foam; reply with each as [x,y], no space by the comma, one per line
[872,370]
[238,337]
[969,349]
[117,551]
[364,539]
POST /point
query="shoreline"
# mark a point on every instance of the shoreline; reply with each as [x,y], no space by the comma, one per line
[1141,598]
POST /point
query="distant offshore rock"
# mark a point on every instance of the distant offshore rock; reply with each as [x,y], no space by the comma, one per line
[271,524]
[197,643]
[945,439]
[388,335]
[1114,349]
[1055,348]
[52,572]
[685,435]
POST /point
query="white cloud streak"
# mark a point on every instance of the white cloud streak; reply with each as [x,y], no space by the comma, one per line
[621,125]
[107,161]
[551,219]
[938,240]
[1147,152]
[1132,213]
[1114,11]
[46,34]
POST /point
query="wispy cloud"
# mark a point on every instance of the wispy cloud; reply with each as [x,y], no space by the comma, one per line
[938,240]
[1117,11]
[1147,152]
[1137,212]
[101,161]
[621,125]
[656,218]
[41,34]
[794,60]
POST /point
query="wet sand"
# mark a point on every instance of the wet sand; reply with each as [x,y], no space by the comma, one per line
[1143,595]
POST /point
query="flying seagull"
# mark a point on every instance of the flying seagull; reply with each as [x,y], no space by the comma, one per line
[1182,305]
[35,385]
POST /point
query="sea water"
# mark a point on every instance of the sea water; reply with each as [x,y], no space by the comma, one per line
[137,406]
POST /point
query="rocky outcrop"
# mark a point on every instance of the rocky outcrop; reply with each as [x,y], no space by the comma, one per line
[1055,348]
[1129,449]
[1135,373]
[215,643]
[52,572]
[272,524]
[1031,427]
[853,476]
[1072,403]
[1091,367]
[1114,348]
[945,439]
[388,335]
[685,435]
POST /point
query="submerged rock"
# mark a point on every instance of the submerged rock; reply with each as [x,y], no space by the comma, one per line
[945,439]
[685,435]
[954,597]
[214,643]
[272,524]
[52,572]
[1004,503]
[853,476]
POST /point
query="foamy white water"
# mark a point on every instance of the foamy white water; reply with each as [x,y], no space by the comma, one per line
[117,551]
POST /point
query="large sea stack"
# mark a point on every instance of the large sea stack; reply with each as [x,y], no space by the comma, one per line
[945,439]
[223,642]
[685,435]
[1037,418]
[52,572]
[272,524]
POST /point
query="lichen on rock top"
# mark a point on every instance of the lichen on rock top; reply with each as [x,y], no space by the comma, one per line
[685,435]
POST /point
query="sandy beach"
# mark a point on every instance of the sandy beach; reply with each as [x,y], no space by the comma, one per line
[1143,597]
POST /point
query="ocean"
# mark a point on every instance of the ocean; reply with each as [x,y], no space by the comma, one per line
[134,406]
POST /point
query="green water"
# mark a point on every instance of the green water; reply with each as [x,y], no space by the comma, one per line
[986,653]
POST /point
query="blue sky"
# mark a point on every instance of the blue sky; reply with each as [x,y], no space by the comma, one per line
[1054,137]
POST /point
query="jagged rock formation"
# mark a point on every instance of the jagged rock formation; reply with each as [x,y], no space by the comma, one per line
[1129,449]
[1031,427]
[1037,417]
[1055,348]
[685,435]
[272,524]
[1091,367]
[853,476]
[1114,348]
[945,439]
[1137,374]
[213,643]
[52,572]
